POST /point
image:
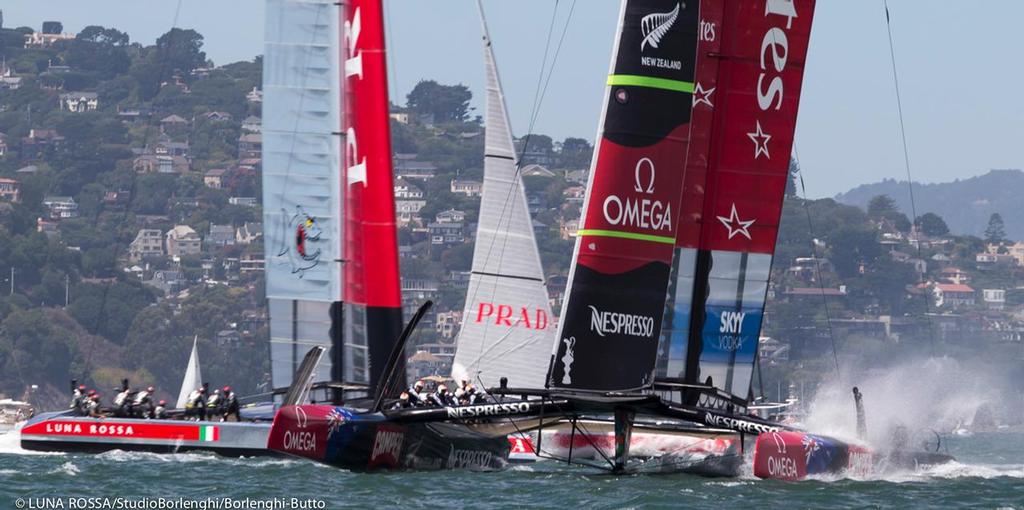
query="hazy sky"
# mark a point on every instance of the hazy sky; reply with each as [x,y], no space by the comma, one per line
[960,71]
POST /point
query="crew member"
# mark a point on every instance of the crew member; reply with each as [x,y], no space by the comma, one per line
[473,396]
[213,405]
[416,396]
[76,397]
[160,411]
[122,402]
[404,401]
[230,405]
[195,405]
[442,398]
[142,406]
[92,405]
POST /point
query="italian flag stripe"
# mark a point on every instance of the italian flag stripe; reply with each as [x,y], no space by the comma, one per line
[209,433]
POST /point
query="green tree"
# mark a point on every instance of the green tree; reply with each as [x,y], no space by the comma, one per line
[180,50]
[883,207]
[996,231]
[932,224]
[445,102]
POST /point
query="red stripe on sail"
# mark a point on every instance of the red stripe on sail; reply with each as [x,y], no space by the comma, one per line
[371,245]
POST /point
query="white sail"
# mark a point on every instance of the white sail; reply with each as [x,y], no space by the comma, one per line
[507,326]
[302,199]
[193,377]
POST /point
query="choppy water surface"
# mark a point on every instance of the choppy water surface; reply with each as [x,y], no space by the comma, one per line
[990,474]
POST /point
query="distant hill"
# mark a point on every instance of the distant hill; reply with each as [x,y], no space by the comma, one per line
[965,204]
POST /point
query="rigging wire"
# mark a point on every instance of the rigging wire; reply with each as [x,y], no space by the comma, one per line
[817,265]
[906,162]
[539,94]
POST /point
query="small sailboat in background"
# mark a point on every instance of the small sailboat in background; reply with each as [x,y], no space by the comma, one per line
[193,376]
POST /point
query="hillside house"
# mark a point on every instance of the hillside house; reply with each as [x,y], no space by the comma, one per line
[249,233]
[447,324]
[408,211]
[406,189]
[173,121]
[78,102]
[994,299]
[412,168]
[252,124]
[467,187]
[163,164]
[220,235]
[448,233]
[955,275]
[10,190]
[61,208]
[148,243]
[243,201]
[182,240]
[250,145]
[953,295]
[450,216]
[3,144]
[214,178]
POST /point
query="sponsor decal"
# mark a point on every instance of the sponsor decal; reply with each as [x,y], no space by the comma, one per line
[731,331]
[706,31]
[567,359]
[811,446]
[299,441]
[387,447]
[335,419]
[507,315]
[782,467]
[616,323]
[301,250]
[354,62]
[469,458]
[639,212]
[520,444]
[702,95]
[860,461]
[655,26]
[488,410]
[735,225]
[770,86]
[739,424]
[111,428]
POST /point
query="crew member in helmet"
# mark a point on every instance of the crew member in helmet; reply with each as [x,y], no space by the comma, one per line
[403,401]
[123,402]
[416,396]
[214,405]
[195,405]
[441,397]
[230,405]
[160,411]
[77,396]
[92,405]
[142,406]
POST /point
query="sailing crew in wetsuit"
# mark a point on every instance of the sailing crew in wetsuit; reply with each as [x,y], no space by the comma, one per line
[230,405]
[214,405]
[160,411]
[442,398]
[195,405]
[473,396]
[416,396]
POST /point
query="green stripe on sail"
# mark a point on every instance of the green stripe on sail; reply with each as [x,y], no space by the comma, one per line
[625,235]
[650,82]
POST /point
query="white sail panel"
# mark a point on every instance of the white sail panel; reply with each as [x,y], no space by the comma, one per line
[507,326]
[301,180]
[193,376]
[301,150]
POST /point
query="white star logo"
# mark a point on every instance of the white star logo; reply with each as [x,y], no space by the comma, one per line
[703,96]
[760,140]
[735,224]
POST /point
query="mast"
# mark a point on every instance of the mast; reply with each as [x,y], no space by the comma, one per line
[611,321]
[372,289]
[507,325]
[301,181]
[756,72]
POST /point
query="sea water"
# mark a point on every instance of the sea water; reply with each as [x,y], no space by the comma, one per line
[989,473]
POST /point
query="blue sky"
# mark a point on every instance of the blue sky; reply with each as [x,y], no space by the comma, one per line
[959,65]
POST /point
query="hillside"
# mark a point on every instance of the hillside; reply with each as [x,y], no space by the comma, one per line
[965,204]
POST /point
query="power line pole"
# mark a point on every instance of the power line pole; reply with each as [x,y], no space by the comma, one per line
[67,289]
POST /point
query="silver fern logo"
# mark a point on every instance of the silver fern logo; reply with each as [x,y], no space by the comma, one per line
[655,26]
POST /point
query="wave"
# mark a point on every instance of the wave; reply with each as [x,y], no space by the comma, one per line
[10,444]
[68,468]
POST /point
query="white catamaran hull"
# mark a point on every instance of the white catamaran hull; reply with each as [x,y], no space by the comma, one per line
[68,433]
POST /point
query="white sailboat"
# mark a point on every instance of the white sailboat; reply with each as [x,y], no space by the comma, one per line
[193,376]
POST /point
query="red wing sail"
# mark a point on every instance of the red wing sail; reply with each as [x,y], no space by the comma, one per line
[760,67]
[372,294]
[611,321]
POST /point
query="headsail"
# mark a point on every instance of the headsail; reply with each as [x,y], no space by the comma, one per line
[372,290]
[301,180]
[507,328]
[611,320]
[756,73]
[193,377]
